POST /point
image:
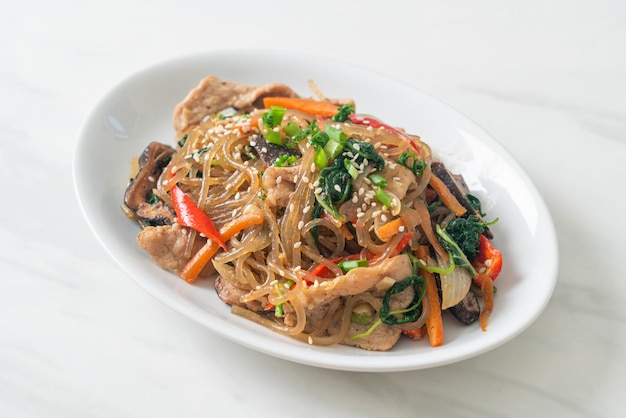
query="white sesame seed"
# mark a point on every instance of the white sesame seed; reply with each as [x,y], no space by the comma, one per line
[488,262]
[279,179]
[300,224]
[373,204]
[252,143]
[361,191]
[318,190]
[310,340]
[376,213]
[297,245]
[401,228]
[355,198]
[264,150]
[150,178]
[360,214]
[397,179]
[383,218]
[337,187]
[306,209]
[292,207]
[313,167]
[305,179]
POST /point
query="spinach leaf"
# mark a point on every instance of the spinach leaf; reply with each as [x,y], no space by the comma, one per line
[458,256]
[466,233]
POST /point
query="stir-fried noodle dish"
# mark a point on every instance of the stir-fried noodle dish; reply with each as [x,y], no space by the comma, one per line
[312,219]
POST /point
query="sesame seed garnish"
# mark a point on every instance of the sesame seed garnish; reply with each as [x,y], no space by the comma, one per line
[306,209]
[279,179]
[300,224]
[401,228]
[337,187]
[488,262]
[313,167]
[361,191]
[383,218]
[355,198]
[310,340]
[292,207]
[360,214]
[150,178]
[297,245]
[318,190]
[376,213]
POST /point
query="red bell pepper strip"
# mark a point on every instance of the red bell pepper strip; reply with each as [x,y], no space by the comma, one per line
[190,215]
[375,123]
[489,258]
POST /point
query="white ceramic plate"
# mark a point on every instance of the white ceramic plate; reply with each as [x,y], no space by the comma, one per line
[139,110]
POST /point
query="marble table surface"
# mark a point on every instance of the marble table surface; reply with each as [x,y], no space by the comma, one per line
[78,338]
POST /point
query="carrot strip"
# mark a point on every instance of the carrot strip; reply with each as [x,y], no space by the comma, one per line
[310,106]
[192,269]
[486,286]
[200,259]
[434,322]
[446,196]
[390,229]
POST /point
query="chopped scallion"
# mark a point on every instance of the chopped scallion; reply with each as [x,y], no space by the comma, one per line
[378,180]
[274,117]
[292,129]
[354,173]
[274,137]
[383,197]
[333,148]
[347,265]
[335,134]
[320,158]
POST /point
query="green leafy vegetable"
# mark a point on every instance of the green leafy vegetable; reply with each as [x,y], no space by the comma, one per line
[343,113]
[182,140]
[466,233]
[458,256]
[475,204]
[417,167]
[365,151]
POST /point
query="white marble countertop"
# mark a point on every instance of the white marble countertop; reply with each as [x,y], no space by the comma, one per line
[78,338]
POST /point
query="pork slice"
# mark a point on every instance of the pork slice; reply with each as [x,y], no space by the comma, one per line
[278,184]
[358,280]
[167,246]
[213,95]
[230,294]
[399,180]
[383,338]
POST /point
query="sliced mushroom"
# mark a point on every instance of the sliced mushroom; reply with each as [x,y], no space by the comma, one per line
[152,162]
[468,310]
